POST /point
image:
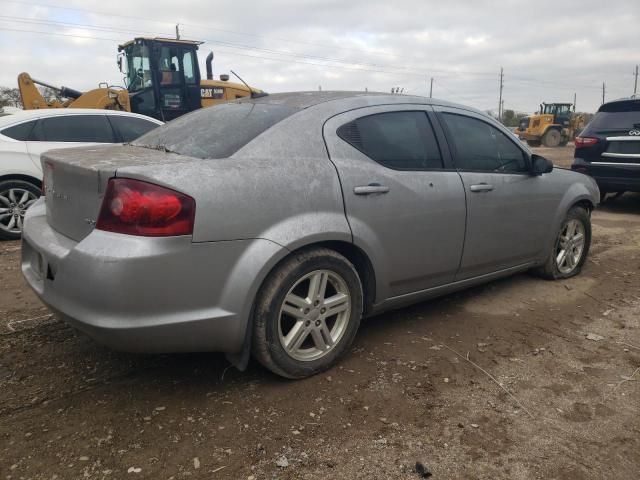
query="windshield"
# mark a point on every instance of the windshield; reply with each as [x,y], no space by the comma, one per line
[138,68]
[215,132]
[557,109]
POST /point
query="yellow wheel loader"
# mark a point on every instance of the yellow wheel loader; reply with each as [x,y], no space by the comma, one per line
[162,78]
[554,126]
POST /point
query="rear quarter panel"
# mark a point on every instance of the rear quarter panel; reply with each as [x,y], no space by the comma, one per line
[15,159]
[289,200]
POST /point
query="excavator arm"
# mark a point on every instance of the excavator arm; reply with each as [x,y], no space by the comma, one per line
[101,98]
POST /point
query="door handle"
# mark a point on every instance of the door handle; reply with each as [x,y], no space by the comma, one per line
[370,189]
[481,187]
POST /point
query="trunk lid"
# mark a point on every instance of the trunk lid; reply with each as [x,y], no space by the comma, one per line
[76,179]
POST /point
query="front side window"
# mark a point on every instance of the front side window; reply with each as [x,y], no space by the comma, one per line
[480,146]
[398,140]
[74,128]
[19,132]
[138,68]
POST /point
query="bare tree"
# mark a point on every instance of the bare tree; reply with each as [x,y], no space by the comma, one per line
[10,97]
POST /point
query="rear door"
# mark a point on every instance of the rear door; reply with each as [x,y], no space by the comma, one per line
[68,131]
[404,202]
[509,211]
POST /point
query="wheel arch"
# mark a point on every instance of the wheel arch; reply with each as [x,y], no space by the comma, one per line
[360,260]
[585,203]
[26,178]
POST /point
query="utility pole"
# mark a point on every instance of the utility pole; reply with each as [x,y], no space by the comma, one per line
[635,85]
[603,88]
[500,99]
[177,31]
[574,102]
[431,87]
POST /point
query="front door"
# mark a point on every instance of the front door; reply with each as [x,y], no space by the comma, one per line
[509,211]
[404,202]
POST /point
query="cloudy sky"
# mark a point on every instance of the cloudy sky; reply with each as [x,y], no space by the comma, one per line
[549,50]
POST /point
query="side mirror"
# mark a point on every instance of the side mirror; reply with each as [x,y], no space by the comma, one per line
[540,165]
[120,63]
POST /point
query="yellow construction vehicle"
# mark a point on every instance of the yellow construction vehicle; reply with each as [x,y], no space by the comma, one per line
[554,126]
[162,78]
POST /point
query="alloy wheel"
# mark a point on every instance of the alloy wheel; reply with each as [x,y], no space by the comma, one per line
[314,315]
[14,203]
[570,246]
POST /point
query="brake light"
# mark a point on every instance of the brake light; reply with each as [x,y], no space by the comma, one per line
[585,141]
[135,207]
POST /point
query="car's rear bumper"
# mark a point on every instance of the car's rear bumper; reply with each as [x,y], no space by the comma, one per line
[146,294]
[609,176]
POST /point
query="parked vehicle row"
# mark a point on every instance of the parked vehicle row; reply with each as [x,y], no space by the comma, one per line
[24,136]
[273,225]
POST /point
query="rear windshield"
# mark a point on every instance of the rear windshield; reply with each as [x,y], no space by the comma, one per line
[215,132]
[616,120]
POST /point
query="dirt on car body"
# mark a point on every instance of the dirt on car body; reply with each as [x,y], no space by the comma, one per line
[521,378]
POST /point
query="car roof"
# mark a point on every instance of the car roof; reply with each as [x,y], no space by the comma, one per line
[303,100]
[24,115]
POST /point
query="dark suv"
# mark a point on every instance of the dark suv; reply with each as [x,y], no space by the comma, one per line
[608,148]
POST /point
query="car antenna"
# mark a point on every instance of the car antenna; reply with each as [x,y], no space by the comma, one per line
[253,93]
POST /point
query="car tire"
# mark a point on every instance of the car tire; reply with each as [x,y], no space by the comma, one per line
[11,193]
[557,267]
[551,138]
[296,336]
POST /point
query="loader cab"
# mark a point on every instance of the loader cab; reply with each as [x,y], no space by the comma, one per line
[161,75]
[561,112]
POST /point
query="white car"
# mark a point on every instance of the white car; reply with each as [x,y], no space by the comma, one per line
[25,135]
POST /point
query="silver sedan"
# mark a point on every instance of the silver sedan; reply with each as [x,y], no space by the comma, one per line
[271,226]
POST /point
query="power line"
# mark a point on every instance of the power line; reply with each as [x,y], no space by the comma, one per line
[266,50]
[230,45]
[209,27]
[386,72]
[376,67]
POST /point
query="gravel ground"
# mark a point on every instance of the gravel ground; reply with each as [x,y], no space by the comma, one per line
[520,379]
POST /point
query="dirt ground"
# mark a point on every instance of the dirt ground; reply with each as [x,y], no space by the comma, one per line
[518,379]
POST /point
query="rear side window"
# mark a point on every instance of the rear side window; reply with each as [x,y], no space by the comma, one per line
[74,128]
[480,146]
[398,140]
[130,128]
[215,132]
[19,132]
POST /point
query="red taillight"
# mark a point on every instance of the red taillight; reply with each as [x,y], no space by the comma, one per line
[139,208]
[585,141]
